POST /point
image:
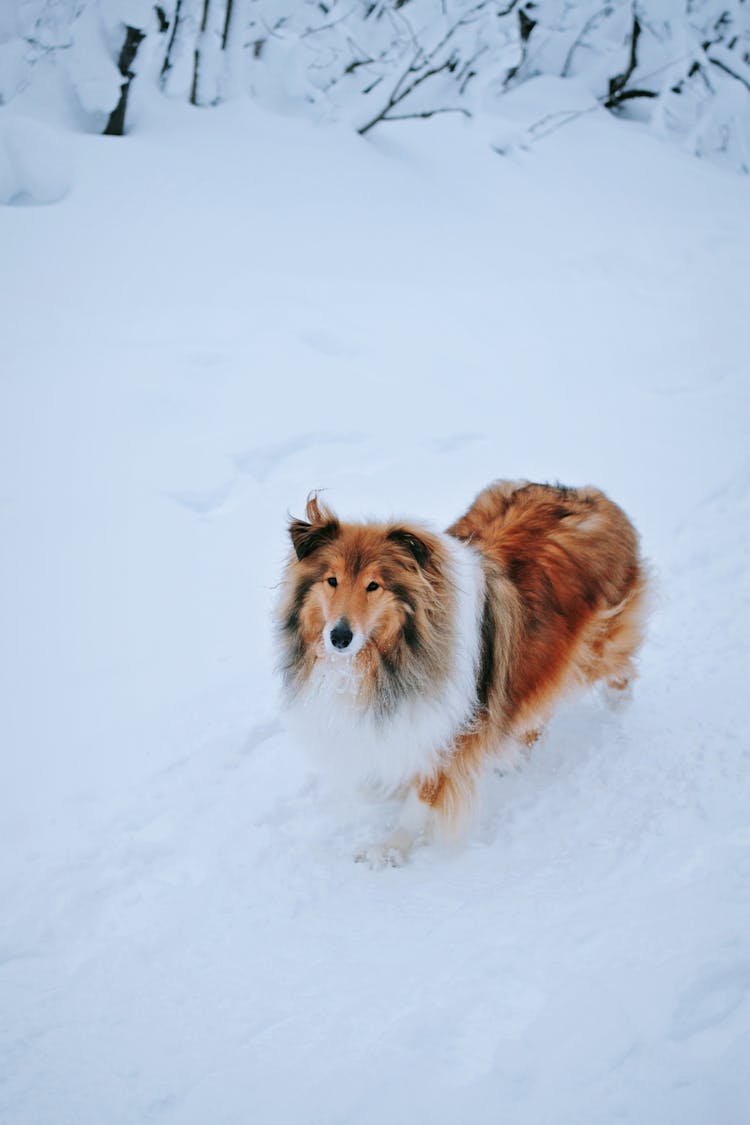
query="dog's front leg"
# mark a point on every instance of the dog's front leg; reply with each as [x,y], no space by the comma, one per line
[413,829]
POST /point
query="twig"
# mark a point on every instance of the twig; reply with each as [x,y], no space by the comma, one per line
[422,58]
[728,70]
[590,23]
[535,132]
[430,113]
[395,99]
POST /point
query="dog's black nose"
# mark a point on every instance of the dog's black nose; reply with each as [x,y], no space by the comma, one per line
[341,634]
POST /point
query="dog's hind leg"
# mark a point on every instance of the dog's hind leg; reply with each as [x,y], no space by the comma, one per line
[607,655]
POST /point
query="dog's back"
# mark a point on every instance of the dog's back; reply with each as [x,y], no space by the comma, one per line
[567,561]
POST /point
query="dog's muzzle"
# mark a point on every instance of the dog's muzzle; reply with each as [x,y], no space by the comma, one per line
[342,640]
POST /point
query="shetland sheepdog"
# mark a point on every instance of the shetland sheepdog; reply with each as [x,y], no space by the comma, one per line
[410,656]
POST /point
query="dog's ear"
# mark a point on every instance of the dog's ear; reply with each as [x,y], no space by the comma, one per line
[320,527]
[411,542]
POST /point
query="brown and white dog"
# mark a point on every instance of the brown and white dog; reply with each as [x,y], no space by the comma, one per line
[410,656]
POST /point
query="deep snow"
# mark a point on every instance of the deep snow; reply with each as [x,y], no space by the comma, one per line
[229,309]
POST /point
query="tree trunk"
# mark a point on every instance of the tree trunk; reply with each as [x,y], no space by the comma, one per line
[197,55]
[227,24]
[166,66]
[210,53]
[133,39]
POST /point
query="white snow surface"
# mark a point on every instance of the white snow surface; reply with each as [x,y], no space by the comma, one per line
[227,310]
[34,164]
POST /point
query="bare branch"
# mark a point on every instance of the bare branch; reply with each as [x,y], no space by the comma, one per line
[619,82]
[728,70]
[422,59]
[589,25]
[430,113]
[394,100]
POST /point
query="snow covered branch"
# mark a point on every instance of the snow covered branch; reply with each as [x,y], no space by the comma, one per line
[682,64]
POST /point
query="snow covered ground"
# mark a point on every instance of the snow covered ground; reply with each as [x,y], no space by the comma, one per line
[228,309]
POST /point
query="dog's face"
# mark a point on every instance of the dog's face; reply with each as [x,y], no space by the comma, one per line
[355,585]
[351,601]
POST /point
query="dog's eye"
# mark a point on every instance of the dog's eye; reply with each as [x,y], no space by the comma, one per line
[372,586]
[332,581]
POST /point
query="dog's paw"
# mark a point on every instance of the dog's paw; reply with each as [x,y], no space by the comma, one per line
[618,695]
[378,856]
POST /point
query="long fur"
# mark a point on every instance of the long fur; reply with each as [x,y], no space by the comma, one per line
[463,640]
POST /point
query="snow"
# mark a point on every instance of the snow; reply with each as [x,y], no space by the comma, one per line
[228,309]
[34,162]
[93,75]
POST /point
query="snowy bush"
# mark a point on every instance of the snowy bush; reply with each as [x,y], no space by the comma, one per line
[684,65]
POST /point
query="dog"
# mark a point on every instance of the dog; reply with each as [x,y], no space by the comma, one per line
[410,657]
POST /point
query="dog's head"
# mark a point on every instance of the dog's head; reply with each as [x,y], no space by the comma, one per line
[351,586]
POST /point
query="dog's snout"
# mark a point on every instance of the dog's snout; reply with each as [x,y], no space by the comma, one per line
[341,635]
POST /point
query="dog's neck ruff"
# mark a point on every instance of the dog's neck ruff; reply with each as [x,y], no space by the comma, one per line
[390,750]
